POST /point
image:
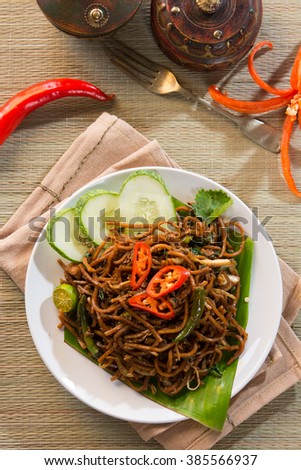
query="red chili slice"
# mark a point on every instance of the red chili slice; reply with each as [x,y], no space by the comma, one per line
[167,280]
[159,307]
[142,263]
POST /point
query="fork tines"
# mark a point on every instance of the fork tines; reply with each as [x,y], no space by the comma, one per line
[136,65]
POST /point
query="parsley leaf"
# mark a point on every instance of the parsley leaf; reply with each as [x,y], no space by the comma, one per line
[210,204]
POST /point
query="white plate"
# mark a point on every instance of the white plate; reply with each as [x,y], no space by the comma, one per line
[89,383]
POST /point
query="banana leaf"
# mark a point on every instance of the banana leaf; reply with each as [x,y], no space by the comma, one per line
[209,404]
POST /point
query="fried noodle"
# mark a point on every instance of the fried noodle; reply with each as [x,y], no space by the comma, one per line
[137,347]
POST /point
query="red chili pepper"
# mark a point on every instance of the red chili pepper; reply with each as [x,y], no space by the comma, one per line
[142,263]
[159,307]
[167,280]
[19,106]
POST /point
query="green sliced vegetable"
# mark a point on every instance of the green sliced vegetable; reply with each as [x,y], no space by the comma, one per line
[210,204]
[63,235]
[144,198]
[149,174]
[94,209]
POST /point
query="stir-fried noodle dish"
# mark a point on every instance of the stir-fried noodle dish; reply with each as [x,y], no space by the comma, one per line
[157,306]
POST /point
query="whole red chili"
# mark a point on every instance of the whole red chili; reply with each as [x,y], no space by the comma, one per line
[167,280]
[159,307]
[19,106]
[142,263]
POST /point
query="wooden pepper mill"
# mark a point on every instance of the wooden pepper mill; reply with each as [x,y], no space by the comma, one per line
[206,34]
[88,18]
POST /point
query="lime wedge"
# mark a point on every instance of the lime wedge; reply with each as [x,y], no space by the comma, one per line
[65,297]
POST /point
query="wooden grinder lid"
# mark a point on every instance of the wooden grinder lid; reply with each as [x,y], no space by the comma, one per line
[86,18]
[206,34]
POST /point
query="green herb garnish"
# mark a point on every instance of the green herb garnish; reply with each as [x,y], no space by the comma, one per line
[210,204]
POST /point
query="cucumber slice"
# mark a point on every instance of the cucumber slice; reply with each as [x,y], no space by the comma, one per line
[144,198]
[93,208]
[63,235]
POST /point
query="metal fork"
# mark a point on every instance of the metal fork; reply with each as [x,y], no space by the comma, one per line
[162,81]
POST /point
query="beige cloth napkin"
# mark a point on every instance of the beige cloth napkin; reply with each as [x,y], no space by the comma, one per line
[108,145]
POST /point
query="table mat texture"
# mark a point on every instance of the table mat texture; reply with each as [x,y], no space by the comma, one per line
[36,412]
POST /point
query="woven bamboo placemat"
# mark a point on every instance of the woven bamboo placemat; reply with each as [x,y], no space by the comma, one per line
[36,412]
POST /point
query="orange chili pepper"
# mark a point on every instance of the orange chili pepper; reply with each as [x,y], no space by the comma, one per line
[248,107]
[296,72]
[265,86]
[290,97]
[285,158]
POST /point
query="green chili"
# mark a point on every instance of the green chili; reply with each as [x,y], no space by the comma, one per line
[84,327]
[197,309]
[215,371]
